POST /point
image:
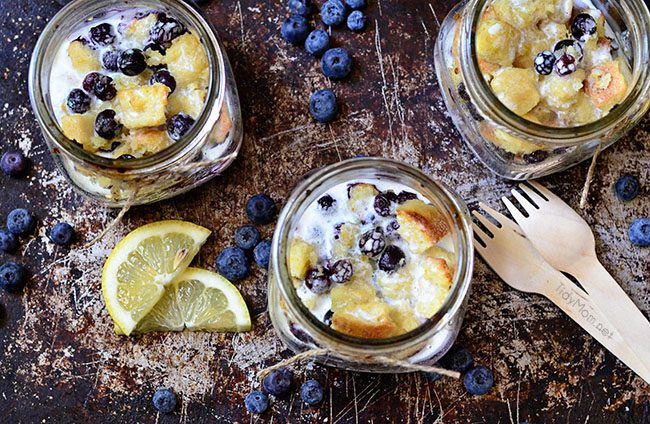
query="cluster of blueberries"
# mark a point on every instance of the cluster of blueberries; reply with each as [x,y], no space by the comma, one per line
[627,188]
[278,383]
[21,223]
[234,261]
[477,379]
[336,63]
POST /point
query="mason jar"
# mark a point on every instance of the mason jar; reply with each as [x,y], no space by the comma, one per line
[300,330]
[205,151]
[485,123]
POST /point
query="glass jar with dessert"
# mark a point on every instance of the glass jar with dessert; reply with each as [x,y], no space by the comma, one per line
[536,86]
[370,258]
[136,100]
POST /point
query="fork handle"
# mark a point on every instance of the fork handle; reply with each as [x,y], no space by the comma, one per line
[608,295]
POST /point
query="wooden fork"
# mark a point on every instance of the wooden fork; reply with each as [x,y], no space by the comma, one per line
[511,255]
[566,242]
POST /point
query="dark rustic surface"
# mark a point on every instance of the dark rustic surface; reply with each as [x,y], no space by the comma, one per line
[61,362]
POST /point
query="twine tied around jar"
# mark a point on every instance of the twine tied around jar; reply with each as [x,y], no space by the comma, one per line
[381,360]
[590,177]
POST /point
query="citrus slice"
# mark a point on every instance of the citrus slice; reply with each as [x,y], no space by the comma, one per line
[198,300]
[143,263]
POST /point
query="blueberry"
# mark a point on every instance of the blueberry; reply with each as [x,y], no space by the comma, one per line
[132,62]
[78,101]
[326,203]
[163,76]
[261,209]
[458,359]
[278,382]
[165,30]
[627,187]
[62,234]
[478,381]
[20,222]
[322,105]
[262,253]
[233,263]
[372,243]
[300,7]
[382,204]
[247,237]
[12,277]
[256,402]
[126,157]
[341,271]
[356,21]
[14,163]
[336,63]
[536,157]
[392,259]
[295,29]
[100,85]
[544,62]
[106,125]
[109,60]
[405,196]
[583,26]
[639,232]
[570,47]
[391,230]
[356,4]
[164,400]
[179,125]
[565,65]
[327,319]
[317,281]
[332,13]
[317,42]
[311,392]
[102,34]
[8,241]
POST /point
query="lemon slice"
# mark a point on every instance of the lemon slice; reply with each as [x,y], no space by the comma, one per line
[198,300]
[143,263]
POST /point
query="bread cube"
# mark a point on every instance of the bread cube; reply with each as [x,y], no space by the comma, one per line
[607,85]
[361,197]
[124,82]
[524,14]
[187,61]
[560,92]
[355,292]
[421,225]
[396,285]
[143,106]
[80,128]
[506,141]
[369,321]
[302,258]
[496,42]
[138,29]
[189,100]
[403,315]
[83,58]
[434,286]
[517,89]
[143,142]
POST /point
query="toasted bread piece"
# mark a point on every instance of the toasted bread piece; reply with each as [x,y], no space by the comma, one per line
[302,257]
[138,29]
[516,89]
[189,100]
[496,42]
[524,14]
[143,142]
[396,285]
[124,82]
[143,106]
[187,61]
[83,58]
[347,238]
[505,141]
[607,85]
[81,128]
[402,314]
[561,92]
[369,321]
[356,292]
[360,196]
[421,225]
[433,287]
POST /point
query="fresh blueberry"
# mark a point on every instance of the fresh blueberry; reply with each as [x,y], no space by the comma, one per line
[78,101]
[165,30]
[382,204]
[536,157]
[20,222]
[102,34]
[132,62]
[300,7]
[62,234]
[261,209]
[163,76]
[14,163]
[432,376]
[405,196]
[164,400]
[639,232]
[565,65]
[583,26]
[458,359]
[356,4]
[478,381]
[372,243]
[317,281]
[332,13]
[179,125]
[12,277]
[295,29]
[100,85]
[8,241]
[336,63]
[233,263]
[256,402]
[544,62]
[627,187]
[109,60]
[106,125]
[262,253]
[392,259]
[356,21]
[341,271]
[322,105]
[311,392]
[326,203]
[247,237]
[278,382]
[317,42]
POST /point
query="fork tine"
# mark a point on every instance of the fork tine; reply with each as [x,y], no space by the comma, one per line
[486,222]
[539,200]
[545,192]
[525,203]
[516,214]
[478,232]
[500,218]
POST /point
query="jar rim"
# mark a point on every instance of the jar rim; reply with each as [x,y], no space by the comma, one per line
[636,100]
[42,107]
[308,189]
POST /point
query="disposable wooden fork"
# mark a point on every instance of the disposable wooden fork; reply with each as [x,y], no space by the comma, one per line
[566,242]
[513,257]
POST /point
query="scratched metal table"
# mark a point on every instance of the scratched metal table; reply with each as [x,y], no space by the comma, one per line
[60,361]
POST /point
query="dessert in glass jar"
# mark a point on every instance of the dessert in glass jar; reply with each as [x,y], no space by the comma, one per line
[535,86]
[371,258]
[136,101]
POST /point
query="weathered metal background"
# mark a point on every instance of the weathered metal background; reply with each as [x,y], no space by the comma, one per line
[61,362]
